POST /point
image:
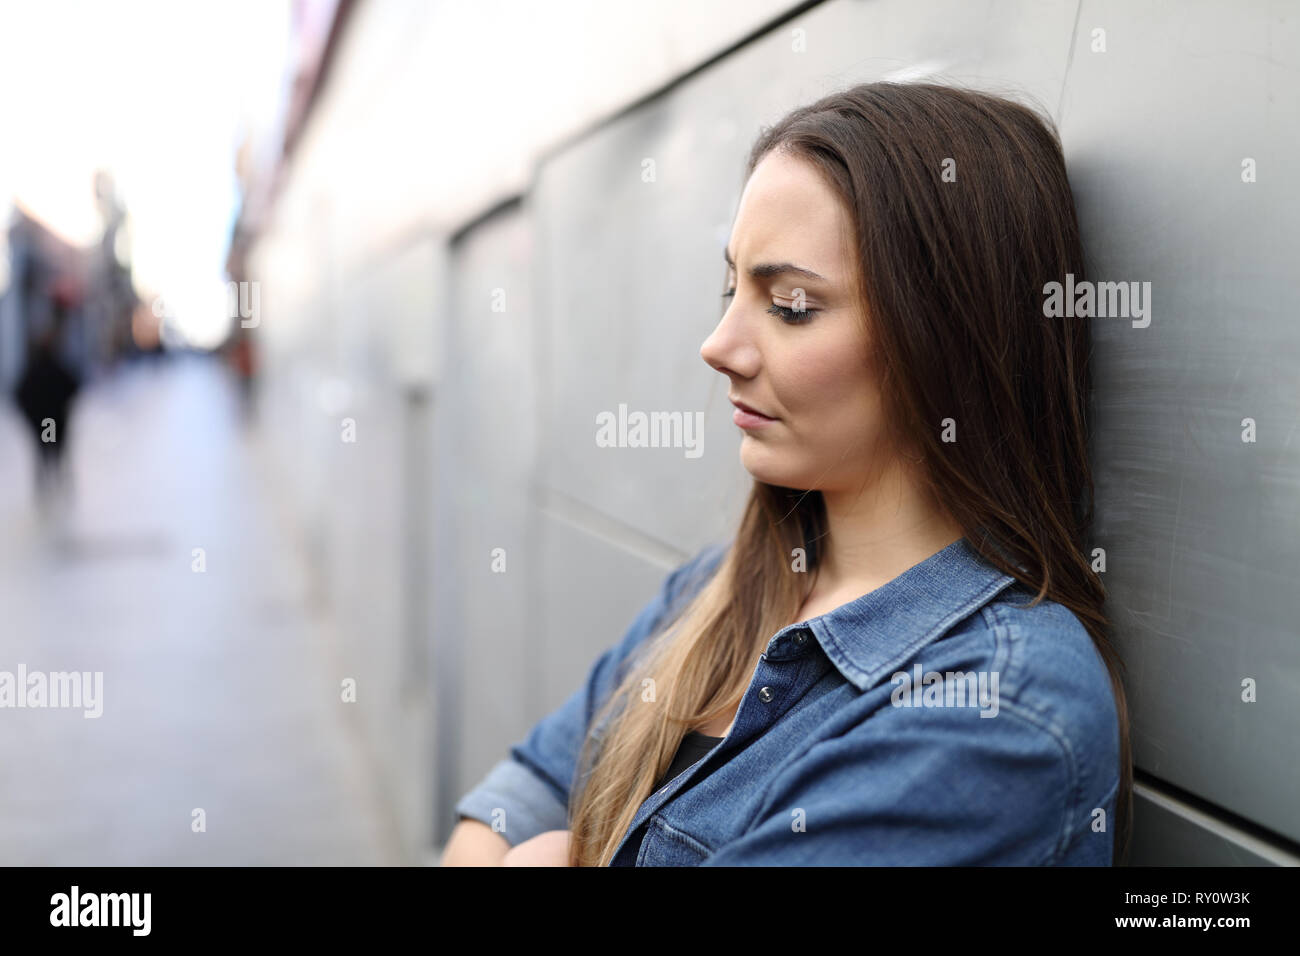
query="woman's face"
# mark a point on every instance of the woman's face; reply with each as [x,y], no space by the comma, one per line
[810,373]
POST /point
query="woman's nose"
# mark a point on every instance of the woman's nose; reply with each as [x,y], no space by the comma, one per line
[721,342]
[730,348]
[709,350]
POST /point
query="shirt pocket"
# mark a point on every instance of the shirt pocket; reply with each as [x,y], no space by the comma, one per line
[665,845]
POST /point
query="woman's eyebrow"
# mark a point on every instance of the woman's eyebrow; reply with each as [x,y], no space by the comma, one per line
[766,270]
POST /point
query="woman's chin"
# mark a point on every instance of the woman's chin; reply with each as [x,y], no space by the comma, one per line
[764,465]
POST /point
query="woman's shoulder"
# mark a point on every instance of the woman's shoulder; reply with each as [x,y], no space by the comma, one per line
[1045,639]
[1037,671]
[1049,672]
[690,576]
[675,591]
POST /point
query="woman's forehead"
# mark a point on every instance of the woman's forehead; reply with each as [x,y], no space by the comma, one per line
[787,213]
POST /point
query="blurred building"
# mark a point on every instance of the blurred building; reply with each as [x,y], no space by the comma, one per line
[92,285]
[44,271]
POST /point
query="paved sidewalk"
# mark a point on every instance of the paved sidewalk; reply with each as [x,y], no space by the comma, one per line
[218,694]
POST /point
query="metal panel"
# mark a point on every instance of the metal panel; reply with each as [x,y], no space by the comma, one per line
[1200,528]
[1169,832]
[487,640]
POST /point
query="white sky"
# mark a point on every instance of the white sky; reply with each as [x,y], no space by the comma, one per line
[156,92]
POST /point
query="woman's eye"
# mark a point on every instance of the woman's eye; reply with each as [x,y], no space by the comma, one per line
[792,316]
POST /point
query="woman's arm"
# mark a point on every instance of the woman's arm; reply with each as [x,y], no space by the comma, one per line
[474,843]
[546,849]
[525,794]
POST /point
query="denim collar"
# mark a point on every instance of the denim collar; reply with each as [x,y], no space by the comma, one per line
[878,633]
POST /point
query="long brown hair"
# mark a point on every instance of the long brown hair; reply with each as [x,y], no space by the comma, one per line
[962,213]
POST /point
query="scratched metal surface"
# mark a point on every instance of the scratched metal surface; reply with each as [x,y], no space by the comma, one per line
[1201,529]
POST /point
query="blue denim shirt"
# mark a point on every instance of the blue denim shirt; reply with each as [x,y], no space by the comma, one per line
[930,722]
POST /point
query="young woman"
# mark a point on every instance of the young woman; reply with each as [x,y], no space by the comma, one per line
[902,656]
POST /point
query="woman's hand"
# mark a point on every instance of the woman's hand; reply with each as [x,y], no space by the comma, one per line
[546,849]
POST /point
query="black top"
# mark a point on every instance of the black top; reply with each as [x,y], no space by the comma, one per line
[693,747]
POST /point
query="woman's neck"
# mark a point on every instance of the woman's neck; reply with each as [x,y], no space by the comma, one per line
[878,532]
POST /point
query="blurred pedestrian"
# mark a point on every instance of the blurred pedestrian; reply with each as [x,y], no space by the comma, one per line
[44,395]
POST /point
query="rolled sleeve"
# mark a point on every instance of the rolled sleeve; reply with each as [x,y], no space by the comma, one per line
[918,787]
[527,793]
[514,802]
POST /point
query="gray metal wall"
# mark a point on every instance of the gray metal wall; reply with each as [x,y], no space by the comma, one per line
[1200,527]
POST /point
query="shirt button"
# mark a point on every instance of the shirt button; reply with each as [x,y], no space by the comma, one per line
[800,637]
[765,694]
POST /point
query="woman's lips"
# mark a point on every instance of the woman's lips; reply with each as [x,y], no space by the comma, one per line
[746,417]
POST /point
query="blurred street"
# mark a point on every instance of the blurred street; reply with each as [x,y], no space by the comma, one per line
[221,691]
[314,316]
